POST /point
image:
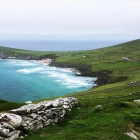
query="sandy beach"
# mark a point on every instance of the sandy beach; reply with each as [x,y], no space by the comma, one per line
[48,61]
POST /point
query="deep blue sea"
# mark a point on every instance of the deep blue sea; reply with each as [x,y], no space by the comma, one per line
[28,80]
[44,45]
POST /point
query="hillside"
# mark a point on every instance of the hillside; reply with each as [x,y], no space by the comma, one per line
[105,112]
[6,52]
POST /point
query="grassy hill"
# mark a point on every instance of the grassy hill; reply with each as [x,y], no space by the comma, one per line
[118,113]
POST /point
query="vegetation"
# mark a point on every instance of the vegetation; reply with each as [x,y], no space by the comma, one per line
[6,106]
[118,112]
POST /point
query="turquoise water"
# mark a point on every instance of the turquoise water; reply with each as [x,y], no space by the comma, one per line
[27,80]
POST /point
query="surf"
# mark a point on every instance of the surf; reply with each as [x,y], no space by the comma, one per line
[24,80]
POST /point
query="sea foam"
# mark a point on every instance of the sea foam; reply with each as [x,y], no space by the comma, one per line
[33,70]
[22,63]
[29,80]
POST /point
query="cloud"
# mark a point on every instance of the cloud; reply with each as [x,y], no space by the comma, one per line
[97,18]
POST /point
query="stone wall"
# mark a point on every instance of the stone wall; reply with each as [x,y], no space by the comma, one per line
[18,122]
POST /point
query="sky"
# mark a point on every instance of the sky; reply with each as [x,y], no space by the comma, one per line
[70,19]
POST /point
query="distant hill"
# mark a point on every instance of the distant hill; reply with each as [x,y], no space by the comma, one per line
[105,112]
[131,47]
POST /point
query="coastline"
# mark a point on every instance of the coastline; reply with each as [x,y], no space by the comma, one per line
[48,61]
[80,70]
[40,78]
[103,77]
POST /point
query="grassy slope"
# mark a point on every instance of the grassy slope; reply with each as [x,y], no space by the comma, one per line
[119,113]
[12,52]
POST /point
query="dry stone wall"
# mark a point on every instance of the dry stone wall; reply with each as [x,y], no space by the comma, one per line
[18,122]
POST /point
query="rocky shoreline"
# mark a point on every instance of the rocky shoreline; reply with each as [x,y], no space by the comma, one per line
[103,77]
[85,70]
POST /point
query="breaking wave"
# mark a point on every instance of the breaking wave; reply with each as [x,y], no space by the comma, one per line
[29,80]
[33,70]
[22,62]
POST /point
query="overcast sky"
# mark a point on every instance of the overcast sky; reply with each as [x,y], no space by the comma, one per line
[70,19]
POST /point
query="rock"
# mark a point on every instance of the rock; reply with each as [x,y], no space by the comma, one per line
[132,135]
[1,138]
[38,125]
[11,119]
[4,132]
[6,125]
[65,106]
[56,103]
[26,122]
[14,136]
[62,113]
[48,105]
[55,120]
[49,121]
[21,137]
[136,133]
[99,107]
[44,117]
[41,112]
[137,101]
[39,106]
[48,113]
[14,132]
[24,109]
[33,117]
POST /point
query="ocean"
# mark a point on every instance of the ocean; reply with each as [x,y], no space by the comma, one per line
[28,80]
[43,45]
[22,80]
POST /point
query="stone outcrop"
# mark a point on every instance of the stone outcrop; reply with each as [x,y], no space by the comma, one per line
[18,122]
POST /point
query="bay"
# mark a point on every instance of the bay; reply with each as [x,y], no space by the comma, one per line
[28,80]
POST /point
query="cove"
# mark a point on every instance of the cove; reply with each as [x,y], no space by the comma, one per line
[24,80]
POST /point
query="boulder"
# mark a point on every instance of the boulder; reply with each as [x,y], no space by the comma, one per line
[24,109]
[14,135]
[11,119]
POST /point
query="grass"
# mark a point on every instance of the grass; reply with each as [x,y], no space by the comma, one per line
[6,106]
[84,122]
[119,114]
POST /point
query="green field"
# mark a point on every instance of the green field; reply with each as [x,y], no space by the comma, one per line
[119,112]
